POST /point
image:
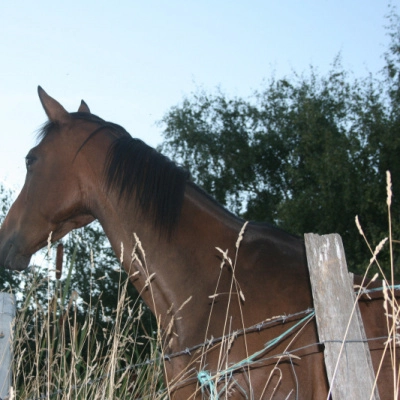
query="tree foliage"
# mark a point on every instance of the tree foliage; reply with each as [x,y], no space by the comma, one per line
[307,153]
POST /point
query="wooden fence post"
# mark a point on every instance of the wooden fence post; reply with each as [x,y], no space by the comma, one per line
[349,366]
[7,315]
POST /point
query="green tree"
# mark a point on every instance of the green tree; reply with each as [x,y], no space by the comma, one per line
[307,153]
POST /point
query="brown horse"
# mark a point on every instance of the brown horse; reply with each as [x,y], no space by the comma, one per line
[204,275]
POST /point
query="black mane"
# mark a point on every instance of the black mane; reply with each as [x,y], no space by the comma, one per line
[158,184]
[134,169]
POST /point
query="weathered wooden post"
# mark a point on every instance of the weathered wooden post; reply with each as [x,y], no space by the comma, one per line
[340,328]
[7,315]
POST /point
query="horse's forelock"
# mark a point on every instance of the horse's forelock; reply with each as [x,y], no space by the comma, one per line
[46,129]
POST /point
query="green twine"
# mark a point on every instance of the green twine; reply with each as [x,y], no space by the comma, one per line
[207,380]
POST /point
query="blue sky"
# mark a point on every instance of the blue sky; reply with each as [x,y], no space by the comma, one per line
[132,60]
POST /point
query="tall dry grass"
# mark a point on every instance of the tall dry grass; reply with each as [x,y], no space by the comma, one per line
[57,355]
[60,355]
[391,308]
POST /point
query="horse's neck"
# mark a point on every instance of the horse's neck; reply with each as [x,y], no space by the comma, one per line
[178,268]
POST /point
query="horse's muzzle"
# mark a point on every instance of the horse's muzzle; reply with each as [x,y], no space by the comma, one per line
[11,257]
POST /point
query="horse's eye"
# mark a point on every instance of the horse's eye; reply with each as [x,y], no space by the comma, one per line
[29,160]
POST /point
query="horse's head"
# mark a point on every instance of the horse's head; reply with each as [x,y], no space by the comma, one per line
[54,199]
[80,167]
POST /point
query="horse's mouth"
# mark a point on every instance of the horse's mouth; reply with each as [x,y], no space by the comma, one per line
[19,263]
[11,258]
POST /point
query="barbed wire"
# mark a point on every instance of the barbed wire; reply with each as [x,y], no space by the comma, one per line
[288,353]
[212,341]
[187,351]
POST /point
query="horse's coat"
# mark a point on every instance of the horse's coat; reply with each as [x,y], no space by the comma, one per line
[85,169]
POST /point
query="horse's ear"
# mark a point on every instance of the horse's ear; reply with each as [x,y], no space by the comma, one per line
[54,110]
[84,107]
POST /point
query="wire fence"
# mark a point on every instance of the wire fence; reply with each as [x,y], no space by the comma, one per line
[303,315]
